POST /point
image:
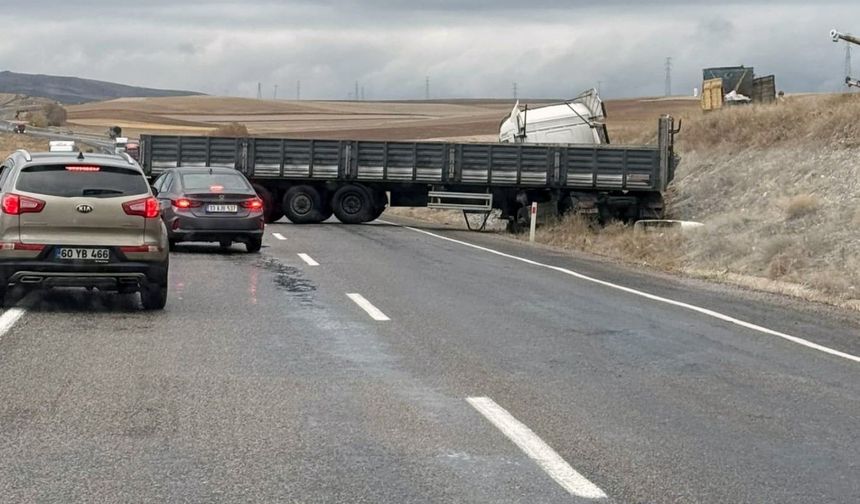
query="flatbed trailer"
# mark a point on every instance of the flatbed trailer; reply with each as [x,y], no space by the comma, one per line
[309,180]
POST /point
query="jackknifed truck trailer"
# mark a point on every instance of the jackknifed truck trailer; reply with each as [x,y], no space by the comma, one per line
[308,181]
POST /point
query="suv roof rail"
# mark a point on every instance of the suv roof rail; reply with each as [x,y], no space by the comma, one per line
[128,158]
[25,153]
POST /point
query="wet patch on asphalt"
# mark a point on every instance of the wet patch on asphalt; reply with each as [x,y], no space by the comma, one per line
[289,279]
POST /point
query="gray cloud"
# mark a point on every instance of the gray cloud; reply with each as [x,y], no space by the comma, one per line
[469,49]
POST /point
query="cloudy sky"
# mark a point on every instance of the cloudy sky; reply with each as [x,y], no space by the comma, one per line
[468,48]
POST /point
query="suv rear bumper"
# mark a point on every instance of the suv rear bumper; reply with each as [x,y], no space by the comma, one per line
[111,276]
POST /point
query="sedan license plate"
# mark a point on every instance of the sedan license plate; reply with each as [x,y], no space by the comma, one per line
[83,254]
[222,208]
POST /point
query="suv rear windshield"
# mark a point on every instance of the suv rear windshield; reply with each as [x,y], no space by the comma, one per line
[73,181]
[204,182]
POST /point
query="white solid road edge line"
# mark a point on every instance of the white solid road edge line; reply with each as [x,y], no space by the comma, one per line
[697,309]
[279,236]
[366,305]
[9,318]
[308,259]
[533,446]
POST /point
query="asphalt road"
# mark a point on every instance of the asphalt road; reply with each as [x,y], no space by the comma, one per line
[451,374]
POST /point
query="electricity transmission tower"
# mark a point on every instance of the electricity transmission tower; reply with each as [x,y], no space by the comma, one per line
[259,90]
[516,94]
[668,89]
[275,93]
[427,88]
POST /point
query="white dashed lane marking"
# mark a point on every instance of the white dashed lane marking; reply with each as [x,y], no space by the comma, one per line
[308,259]
[367,306]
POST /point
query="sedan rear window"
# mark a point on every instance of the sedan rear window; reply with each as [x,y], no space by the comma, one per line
[74,181]
[227,182]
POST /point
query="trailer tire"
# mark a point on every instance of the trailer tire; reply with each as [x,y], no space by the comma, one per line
[271,211]
[303,205]
[353,204]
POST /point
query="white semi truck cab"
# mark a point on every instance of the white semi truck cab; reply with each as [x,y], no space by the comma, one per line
[580,121]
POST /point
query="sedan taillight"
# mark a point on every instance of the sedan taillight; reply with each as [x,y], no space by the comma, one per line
[253,204]
[146,207]
[183,203]
[14,204]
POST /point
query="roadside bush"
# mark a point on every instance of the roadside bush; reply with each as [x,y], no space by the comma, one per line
[55,114]
[38,120]
[233,129]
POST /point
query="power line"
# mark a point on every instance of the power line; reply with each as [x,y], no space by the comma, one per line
[668,77]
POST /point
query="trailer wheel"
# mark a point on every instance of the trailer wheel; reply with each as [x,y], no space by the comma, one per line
[303,205]
[271,211]
[353,204]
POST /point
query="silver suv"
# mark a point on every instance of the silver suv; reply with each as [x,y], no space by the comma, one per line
[81,220]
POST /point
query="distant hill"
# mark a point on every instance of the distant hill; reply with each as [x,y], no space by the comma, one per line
[72,90]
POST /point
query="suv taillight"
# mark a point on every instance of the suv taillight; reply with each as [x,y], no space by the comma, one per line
[14,204]
[146,207]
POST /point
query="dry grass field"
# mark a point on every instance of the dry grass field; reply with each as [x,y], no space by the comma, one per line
[776,186]
[10,142]
[476,120]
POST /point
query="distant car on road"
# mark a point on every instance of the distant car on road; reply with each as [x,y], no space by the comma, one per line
[210,205]
[70,220]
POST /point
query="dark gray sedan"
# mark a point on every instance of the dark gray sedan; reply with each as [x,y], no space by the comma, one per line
[210,205]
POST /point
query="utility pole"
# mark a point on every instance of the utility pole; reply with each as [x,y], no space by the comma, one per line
[298,90]
[515,91]
[275,93]
[668,76]
[259,90]
[848,65]
[427,88]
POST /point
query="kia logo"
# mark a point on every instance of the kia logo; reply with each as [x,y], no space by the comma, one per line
[84,208]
